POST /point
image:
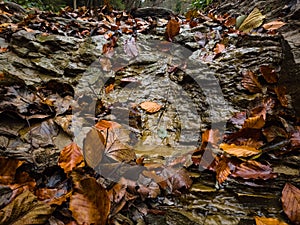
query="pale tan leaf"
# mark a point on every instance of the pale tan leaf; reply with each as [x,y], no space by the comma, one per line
[291,202]
[70,157]
[253,20]
[273,25]
[239,151]
[150,107]
[25,209]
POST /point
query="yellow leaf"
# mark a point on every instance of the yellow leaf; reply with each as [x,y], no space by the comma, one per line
[253,20]
[268,221]
[239,151]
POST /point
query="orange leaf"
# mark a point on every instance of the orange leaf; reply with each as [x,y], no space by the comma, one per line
[268,221]
[219,48]
[70,157]
[90,204]
[273,25]
[250,82]
[173,28]
[222,170]
[150,107]
[269,74]
[256,122]
[239,151]
[291,202]
[109,88]
[230,22]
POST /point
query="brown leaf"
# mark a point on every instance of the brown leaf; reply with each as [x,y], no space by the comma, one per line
[239,151]
[269,74]
[130,47]
[230,22]
[268,221]
[172,29]
[282,95]
[222,169]
[150,107]
[219,48]
[253,170]
[210,136]
[253,20]
[90,203]
[106,64]
[238,118]
[70,157]
[256,122]
[273,25]
[93,147]
[250,82]
[291,202]
[272,132]
[295,138]
[8,167]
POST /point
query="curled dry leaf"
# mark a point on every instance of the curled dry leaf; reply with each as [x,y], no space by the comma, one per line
[70,158]
[273,25]
[268,221]
[291,202]
[150,107]
[239,151]
[256,122]
[173,28]
[90,203]
[252,21]
[269,74]
[250,82]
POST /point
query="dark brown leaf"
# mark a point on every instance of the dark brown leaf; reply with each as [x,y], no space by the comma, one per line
[282,95]
[295,139]
[250,82]
[8,167]
[173,28]
[269,74]
[291,202]
[272,132]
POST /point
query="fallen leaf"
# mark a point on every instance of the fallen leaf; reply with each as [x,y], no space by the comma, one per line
[219,48]
[150,107]
[25,209]
[105,64]
[255,122]
[269,74]
[8,167]
[172,29]
[238,118]
[250,82]
[282,95]
[93,147]
[253,20]
[90,203]
[70,157]
[291,202]
[295,138]
[230,22]
[273,25]
[268,221]
[210,136]
[109,88]
[239,151]
[222,169]
[130,47]
[272,132]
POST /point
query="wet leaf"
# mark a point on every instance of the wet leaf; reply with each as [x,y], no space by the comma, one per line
[291,202]
[239,151]
[268,221]
[150,107]
[219,48]
[282,95]
[272,132]
[70,158]
[250,82]
[172,29]
[130,47]
[222,169]
[211,136]
[25,209]
[253,170]
[93,147]
[273,25]
[8,167]
[253,20]
[269,74]
[90,203]
[256,122]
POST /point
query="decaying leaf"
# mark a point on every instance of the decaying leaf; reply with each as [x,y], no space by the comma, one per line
[239,151]
[273,132]
[8,167]
[253,20]
[70,157]
[150,107]
[255,122]
[93,147]
[273,25]
[291,202]
[268,221]
[130,47]
[269,74]
[250,82]
[25,209]
[90,203]
[282,95]
[172,29]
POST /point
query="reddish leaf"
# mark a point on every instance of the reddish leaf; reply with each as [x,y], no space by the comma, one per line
[90,203]
[172,29]
[219,48]
[291,202]
[256,122]
[273,132]
[8,169]
[230,22]
[239,151]
[263,108]
[268,221]
[250,82]
[70,158]
[222,169]
[282,95]
[130,47]
[295,139]
[273,25]
[269,74]
[253,170]
[150,107]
